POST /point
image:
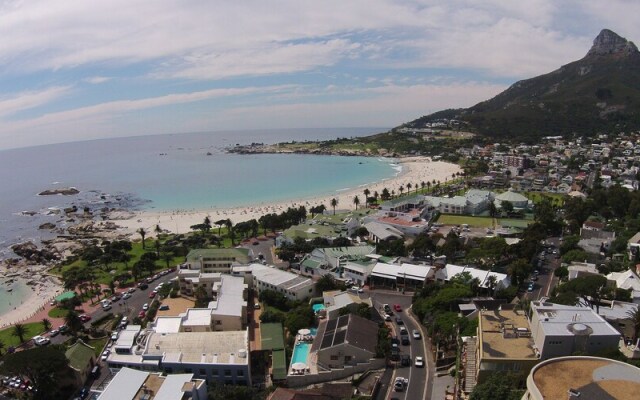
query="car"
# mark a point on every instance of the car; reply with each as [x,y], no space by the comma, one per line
[124,321]
[153,294]
[419,362]
[54,332]
[126,296]
[142,314]
[145,306]
[405,360]
[85,317]
[172,269]
[256,306]
[131,289]
[399,321]
[397,308]
[386,308]
[115,297]
[400,383]
[105,355]
[41,340]
[255,243]
[530,288]
[106,307]
[416,334]
[395,342]
[114,335]
[361,290]
[163,273]
[405,340]
[63,328]
[387,317]
[403,330]
[534,278]
[165,307]
[354,289]
[143,285]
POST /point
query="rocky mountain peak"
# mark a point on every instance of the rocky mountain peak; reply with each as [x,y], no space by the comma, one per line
[609,42]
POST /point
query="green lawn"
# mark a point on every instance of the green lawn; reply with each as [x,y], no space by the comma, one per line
[474,222]
[57,312]
[32,329]
[536,197]
[517,223]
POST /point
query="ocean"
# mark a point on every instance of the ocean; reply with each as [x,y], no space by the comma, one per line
[169,172]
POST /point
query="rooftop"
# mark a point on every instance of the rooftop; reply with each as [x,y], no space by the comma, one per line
[561,320]
[595,378]
[79,355]
[199,347]
[505,334]
[242,255]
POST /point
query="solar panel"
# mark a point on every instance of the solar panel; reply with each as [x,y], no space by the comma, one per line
[331,325]
[340,336]
[326,341]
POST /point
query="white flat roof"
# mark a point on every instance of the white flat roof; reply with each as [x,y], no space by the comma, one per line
[171,388]
[197,317]
[199,347]
[127,337]
[167,324]
[554,319]
[124,385]
[230,296]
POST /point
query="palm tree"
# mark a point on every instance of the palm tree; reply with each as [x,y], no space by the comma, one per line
[401,189]
[422,185]
[207,223]
[634,316]
[46,324]
[19,330]
[376,195]
[428,186]
[142,233]
[72,321]
[366,192]
[409,186]
[356,201]
[334,203]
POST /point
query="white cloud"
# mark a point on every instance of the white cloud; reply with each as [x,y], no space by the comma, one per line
[97,79]
[17,102]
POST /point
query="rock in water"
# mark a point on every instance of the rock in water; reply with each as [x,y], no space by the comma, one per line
[63,191]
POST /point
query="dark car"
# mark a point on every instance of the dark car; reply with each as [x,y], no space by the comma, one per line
[405,360]
[399,321]
[405,340]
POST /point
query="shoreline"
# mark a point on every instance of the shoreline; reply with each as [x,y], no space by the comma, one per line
[41,292]
[414,170]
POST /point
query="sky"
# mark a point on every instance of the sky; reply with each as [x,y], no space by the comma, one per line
[81,70]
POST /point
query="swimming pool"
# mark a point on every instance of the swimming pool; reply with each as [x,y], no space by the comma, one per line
[300,353]
[318,307]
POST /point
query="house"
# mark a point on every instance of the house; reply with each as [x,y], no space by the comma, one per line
[581,377]
[400,275]
[627,280]
[216,260]
[578,269]
[213,356]
[560,330]
[331,260]
[348,340]
[379,232]
[518,201]
[131,384]
[334,301]
[486,278]
[504,343]
[82,358]
[634,247]
[618,314]
[293,286]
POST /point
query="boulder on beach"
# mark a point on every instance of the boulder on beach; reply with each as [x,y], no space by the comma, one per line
[70,191]
[47,225]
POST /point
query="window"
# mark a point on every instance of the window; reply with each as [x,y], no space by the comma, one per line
[202,371]
[188,370]
[240,372]
[334,358]
[227,372]
[214,372]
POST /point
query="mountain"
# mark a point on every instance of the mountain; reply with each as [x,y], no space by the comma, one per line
[598,93]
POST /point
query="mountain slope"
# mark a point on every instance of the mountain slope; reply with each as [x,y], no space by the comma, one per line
[600,92]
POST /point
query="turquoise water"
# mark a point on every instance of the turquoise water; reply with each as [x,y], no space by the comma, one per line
[169,172]
[300,353]
[318,307]
[10,300]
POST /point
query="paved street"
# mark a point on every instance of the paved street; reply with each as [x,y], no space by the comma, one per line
[417,376]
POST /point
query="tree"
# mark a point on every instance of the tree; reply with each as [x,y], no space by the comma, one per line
[366,192]
[356,201]
[634,317]
[518,271]
[385,194]
[2,346]
[591,289]
[19,331]
[46,324]
[561,272]
[334,203]
[506,206]
[220,223]
[45,366]
[142,233]
[158,230]
[201,297]
[499,385]
[326,283]
[73,322]
[207,223]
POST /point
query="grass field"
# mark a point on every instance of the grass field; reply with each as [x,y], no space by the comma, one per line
[474,222]
[31,330]
[517,223]
[57,312]
[556,198]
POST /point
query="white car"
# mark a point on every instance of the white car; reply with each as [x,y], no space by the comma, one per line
[416,334]
[114,336]
[131,289]
[126,296]
[145,307]
[400,383]
[419,363]
[41,340]
[105,355]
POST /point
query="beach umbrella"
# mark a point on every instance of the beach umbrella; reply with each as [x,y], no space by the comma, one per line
[299,366]
[304,331]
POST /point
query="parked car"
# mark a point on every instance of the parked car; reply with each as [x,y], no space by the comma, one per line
[114,335]
[145,306]
[419,362]
[397,307]
[54,332]
[105,355]
[142,314]
[387,317]
[143,285]
[84,317]
[131,289]
[126,296]
[405,340]
[165,307]
[416,334]
[153,294]
[41,340]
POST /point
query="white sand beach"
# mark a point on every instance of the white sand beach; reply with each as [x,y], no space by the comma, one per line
[41,294]
[414,171]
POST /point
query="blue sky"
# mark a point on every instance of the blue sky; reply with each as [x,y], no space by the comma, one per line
[93,69]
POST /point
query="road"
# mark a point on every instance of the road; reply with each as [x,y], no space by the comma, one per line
[546,279]
[417,388]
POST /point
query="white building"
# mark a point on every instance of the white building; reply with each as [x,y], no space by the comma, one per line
[560,330]
[294,287]
[131,384]
[404,274]
[627,280]
[450,270]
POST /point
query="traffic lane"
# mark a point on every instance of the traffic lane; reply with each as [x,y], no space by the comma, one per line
[416,376]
